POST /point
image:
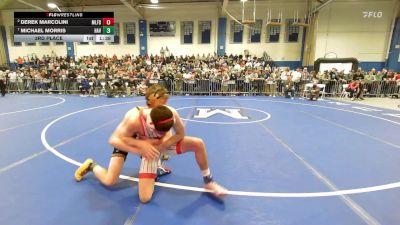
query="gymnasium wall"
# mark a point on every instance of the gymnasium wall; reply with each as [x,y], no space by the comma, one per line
[281,51]
[121,16]
[345,31]
[178,13]
[288,53]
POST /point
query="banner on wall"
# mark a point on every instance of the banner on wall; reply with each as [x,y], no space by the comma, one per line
[162,28]
[345,64]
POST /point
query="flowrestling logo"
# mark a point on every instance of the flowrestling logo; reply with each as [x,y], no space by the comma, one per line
[372,14]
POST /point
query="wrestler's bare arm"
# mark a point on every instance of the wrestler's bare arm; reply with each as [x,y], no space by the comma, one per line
[122,138]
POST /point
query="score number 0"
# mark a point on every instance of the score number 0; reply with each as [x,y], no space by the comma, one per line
[108,21]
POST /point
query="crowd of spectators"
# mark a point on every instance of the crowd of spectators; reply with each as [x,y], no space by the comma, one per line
[133,74]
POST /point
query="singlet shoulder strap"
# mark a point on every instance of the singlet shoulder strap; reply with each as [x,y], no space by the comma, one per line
[142,119]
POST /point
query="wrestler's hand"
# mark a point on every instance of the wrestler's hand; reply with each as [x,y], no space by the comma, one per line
[148,151]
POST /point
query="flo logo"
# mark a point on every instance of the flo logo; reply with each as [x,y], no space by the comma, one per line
[207,112]
[372,14]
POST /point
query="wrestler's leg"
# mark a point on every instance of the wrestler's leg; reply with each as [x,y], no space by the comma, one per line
[147,176]
[109,176]
[146,189]
[196,145]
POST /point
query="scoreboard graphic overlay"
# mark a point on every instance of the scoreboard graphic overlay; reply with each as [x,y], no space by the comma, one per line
[64,26]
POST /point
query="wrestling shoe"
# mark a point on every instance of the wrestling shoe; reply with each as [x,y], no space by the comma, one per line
[83,169]
[216,189]
[161,171]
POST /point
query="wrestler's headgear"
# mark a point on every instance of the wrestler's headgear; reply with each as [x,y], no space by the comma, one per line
[154,93]
[162,118]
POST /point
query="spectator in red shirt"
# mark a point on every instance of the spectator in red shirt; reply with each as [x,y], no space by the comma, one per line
[397,77]
[355,88]
[20,62]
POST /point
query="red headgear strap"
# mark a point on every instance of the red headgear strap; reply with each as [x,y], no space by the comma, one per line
[164,121]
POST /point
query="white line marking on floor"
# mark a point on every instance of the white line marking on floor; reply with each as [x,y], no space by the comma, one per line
[353,130]
[31,109]
[239,193]
[27,124]
[364,215]
[26,159]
